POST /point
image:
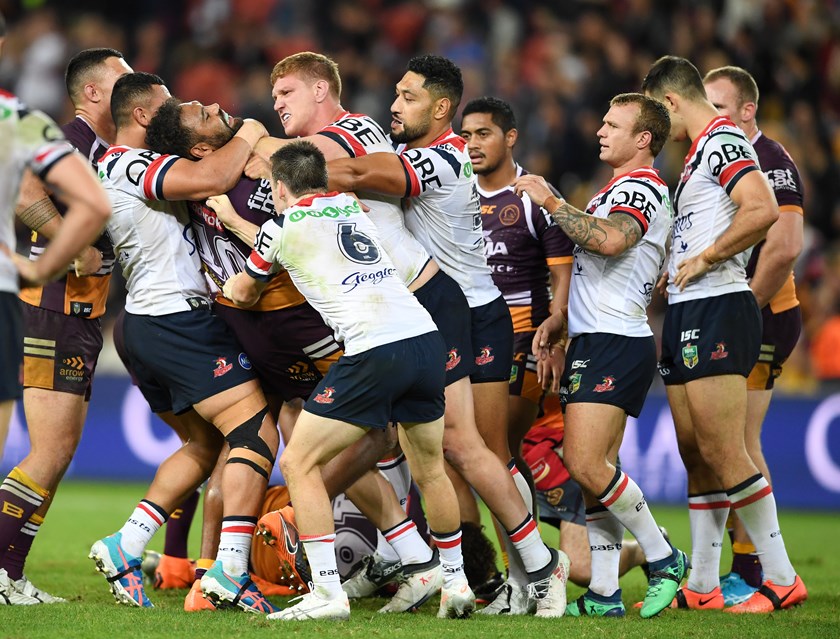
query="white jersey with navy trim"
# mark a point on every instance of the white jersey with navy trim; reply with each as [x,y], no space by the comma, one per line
[152,237]
[359,135]
[333,254]
[611,294]
[719,157]
[443,211]
[28,139]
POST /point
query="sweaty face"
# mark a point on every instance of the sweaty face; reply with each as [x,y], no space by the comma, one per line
[295,104]
[411,111]
[723,94]
[486,142]
[210,124]
[618,142]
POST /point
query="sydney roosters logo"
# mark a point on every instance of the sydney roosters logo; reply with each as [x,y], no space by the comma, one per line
[326,397]
[720,351]
[222,367]
[452,359]
[607,385]
[484,356]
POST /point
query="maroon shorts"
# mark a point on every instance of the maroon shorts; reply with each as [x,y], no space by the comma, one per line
[778,339]
[59,351]
[291,349]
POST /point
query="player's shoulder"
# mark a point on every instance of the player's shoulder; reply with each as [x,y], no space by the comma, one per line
[772,154]
[79,134]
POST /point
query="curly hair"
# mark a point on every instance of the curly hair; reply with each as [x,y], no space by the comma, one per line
[166,132]
[442,78]
[479,554]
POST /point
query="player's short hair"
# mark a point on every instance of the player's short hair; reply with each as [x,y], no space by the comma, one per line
[312,66]
[740,78]
[652,117]
[301,167]
[129,92]
[672,74]
[500,111]
[442,78]
[166,132]
[82,65]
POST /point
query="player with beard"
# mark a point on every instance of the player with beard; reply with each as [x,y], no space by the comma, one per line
[432,171]
[62,335]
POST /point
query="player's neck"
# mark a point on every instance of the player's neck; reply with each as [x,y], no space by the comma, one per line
[637,162]
[698,116]
[750,129]
[502,176]
[133,136]
[327,114]
[437,129]
[102,124]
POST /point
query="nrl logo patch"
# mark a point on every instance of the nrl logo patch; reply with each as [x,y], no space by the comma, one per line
[574,382]
[689,356]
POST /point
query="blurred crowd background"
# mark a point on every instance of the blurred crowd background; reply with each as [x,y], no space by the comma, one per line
[558,62]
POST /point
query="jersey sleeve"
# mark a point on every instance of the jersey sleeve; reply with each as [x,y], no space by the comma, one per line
[264,261]
[138,171]
[784,179]
[42,142]
[556,245]
[729,156]
[429,169]
[636,198]
[358,135]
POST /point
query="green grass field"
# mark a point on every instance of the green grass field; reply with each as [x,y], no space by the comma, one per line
[86,511]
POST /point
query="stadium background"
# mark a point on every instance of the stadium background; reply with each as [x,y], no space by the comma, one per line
[558,63]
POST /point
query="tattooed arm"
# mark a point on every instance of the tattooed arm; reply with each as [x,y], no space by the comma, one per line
[609,237]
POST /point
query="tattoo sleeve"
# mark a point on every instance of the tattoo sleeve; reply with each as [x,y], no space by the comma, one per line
[37,214]
[595,234]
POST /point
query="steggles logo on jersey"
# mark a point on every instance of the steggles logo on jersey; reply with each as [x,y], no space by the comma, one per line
[355,279]
[689,356]
[484,356]
[607,385]
[222,367]
[720,351]
[326,397]
[452,359]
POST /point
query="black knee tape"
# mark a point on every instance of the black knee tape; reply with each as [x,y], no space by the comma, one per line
[247,435]
[241,460]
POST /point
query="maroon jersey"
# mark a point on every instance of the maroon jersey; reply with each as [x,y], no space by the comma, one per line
[223,254]
[78,296]
[783,176]
[520,242]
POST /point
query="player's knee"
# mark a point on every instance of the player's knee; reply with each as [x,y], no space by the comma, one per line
[248,447]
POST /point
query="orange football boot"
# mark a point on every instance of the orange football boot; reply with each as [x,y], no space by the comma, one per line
[277,529]
[195,600]
[174,573]
[770,597]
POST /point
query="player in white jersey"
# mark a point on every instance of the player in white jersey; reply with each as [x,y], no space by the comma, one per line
[174,343]
[391,369]
[712,336]
[433,172]
[611,357]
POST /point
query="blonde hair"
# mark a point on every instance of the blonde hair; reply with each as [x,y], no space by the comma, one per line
[312,66]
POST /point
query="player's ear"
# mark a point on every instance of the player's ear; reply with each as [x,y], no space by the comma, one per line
[643,139]
[748,111]
[441,110]
[511,137]
[92,92]
[322,90]
[671,101]
[201,149]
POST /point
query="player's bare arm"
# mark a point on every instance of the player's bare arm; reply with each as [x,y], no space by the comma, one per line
[782,247]
[217,172]
[757,211]
[243,290]
[242,228]
[609,237]
[378,172]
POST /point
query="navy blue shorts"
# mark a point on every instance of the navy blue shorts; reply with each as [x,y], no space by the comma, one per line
[191,356]
[445,301]
[492,340]
[402,381]
[602,368]
[155,395]
[11,348]
[709,337]
[564,503]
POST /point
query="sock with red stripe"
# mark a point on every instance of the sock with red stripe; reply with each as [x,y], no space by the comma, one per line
[624,499]
[755,504]
[20,497]
[178,528]
[707,515]
[521,485]
[320,550]
[605,534]
[235,543]
[398,474]
[528,543]
[405,539]
[384,549]
[15,557]
[451,559]
[144,522]
[516,569]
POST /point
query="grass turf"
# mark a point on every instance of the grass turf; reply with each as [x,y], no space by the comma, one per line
[84,512]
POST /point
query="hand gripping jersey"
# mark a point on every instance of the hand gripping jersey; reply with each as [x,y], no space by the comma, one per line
[359,135]
[783,176]
[611,294]
[79,296]
[27,139]
[719,157]
[332,251]
[520,242]
[223,254]
[151,236]
[443,212]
